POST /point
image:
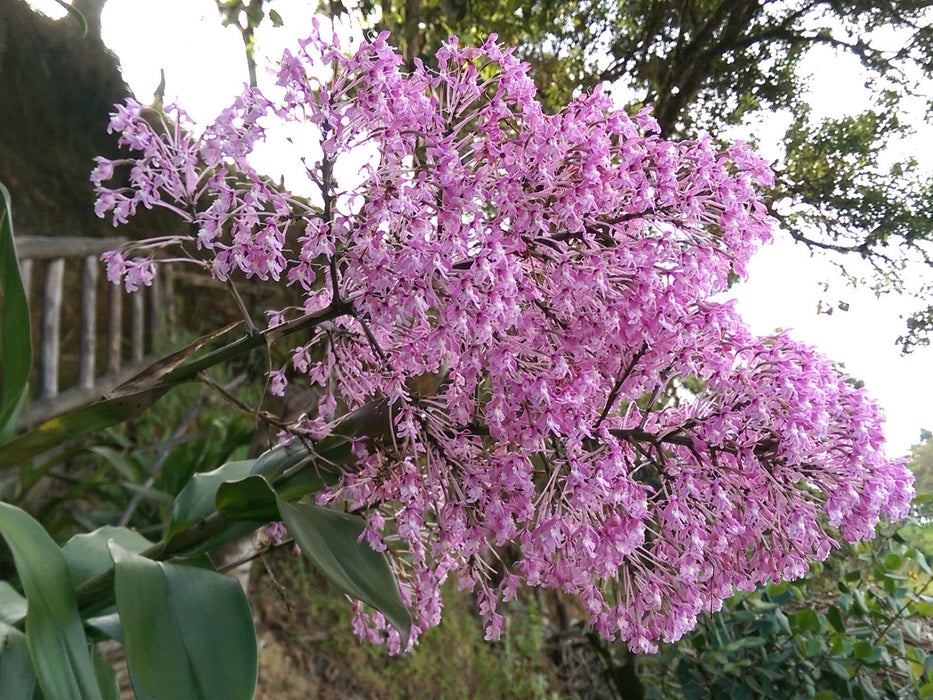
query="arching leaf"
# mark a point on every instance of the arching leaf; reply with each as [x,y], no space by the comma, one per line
[15,347]
[188,631]
[330,539]
[55,635]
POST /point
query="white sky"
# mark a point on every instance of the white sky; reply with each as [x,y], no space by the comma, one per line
[205,69]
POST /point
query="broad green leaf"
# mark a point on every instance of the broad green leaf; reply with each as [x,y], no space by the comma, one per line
[330,539]
[15,347]
[248,499]
[87,554]
[12,605]
[17,679]
[95,416]
[197,499]
[54,632]
[189,631]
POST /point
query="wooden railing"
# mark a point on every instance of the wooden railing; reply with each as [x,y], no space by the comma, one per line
[70,319]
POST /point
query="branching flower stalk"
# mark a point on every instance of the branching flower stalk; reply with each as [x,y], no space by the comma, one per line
[513,285]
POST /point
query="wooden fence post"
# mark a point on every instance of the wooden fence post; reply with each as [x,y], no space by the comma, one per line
[88,356]
[51,323]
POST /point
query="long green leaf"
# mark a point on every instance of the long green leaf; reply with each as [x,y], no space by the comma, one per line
[15,344]
[189,632]
[331,540]
[17,679]
[95,416]
[57,644]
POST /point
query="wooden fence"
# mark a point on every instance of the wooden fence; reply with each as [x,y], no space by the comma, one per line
[75,312]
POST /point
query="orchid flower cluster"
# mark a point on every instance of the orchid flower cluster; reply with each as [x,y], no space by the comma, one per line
[531,295]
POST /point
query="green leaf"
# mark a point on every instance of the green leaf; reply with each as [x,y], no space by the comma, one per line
[197,499]
[834,615]
[248,499]
[783,623]
[273,463]
[95,416]
[922,561]
[12,604]
[87,554]
[156,373]
[17,679]
[107,625]
[807,620]
[15,344]
[276,18]
[330,539]
[813,647]
[54,632]
[893,561]
[189,631]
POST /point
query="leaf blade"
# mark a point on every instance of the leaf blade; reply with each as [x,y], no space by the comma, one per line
[189,631]
[330,539]
[17,678]
[100,414]
[54,633]
[15,343]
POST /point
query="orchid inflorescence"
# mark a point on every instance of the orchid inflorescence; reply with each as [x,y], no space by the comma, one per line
[596,423]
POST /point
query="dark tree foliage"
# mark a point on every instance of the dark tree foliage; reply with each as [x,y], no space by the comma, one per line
[705,65]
